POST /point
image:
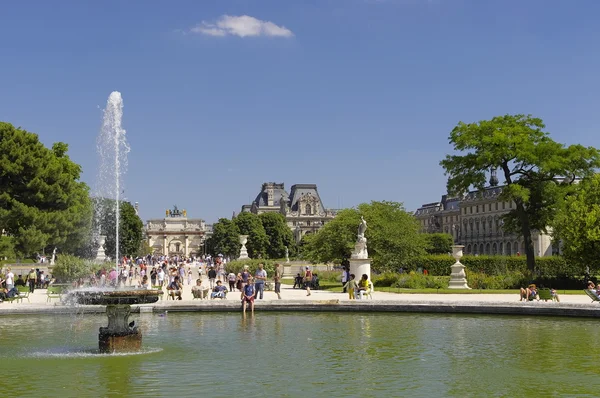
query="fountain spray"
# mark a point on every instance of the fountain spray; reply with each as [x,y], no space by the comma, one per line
[113,149]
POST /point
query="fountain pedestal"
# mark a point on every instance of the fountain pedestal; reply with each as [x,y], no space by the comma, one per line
[118,335]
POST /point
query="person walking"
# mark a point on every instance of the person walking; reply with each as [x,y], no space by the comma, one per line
[344,279]
[260,277]
[32,280]
[212,275]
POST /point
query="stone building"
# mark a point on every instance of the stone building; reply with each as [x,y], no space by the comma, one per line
[302,207]
[475,221]
[176,234]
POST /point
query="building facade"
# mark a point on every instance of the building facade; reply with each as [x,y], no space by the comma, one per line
[177,235]
[475,221]
[302,207]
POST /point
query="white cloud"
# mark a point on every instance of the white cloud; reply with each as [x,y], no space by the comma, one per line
[241,26]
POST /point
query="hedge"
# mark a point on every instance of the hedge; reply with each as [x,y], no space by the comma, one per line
[546,267]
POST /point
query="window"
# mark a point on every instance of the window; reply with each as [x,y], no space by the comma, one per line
[496,205]
[490,207]
[510,204]
[477,209]
[503,205]
[307,209]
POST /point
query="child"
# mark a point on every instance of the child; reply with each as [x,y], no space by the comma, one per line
[351,286]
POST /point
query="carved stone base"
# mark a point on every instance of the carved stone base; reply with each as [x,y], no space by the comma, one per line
[359,266]
[119,336]
[108,343]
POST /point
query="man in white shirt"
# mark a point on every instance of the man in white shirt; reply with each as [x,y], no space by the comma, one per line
[161,277]
[10,280]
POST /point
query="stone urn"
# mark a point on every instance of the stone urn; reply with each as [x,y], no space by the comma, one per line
[458,278]
[243,250]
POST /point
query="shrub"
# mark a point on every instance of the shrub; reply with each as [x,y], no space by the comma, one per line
[329,276]
[237,266]
[385,279]
[69,268]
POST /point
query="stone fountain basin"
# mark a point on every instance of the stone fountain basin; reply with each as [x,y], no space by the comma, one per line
[113,297]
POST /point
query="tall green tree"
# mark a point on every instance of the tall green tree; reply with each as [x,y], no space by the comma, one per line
[42,202]
[279,234]
[438,243]
[249,224]
[225,239]
[577,225]
[530,162]
[393,237]
[130,227]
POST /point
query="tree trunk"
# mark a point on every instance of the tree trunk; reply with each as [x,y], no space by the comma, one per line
[526,231]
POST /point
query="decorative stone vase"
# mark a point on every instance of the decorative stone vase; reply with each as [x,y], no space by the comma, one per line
[243,250]
[458,278]
[100,254]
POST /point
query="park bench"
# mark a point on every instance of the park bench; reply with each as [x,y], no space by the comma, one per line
[591,295]
[53,292]
[23,292]
[16,298]
[545,294]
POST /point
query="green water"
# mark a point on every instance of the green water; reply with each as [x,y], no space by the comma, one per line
[304,355]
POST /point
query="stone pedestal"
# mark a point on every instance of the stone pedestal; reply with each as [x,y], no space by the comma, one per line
[119,336]
[458,278]
[360,266]
[100,254]
[243,250]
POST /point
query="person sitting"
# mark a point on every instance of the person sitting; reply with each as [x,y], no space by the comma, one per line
[554,295]
[219,291]
[175,288]
[593,289]
[145,284]
[248,296]
[363,285]
[200,291]
[298,281]
[529,293]
[20,281]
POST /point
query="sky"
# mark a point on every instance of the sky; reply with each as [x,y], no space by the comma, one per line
[356,96]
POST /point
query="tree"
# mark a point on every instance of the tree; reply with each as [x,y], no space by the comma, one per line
[7,249]
[530,161]
[249,224]
[438,243]
[577,225]
[393,237]
[130,227]
[42,202]
[225,239]
[279,234]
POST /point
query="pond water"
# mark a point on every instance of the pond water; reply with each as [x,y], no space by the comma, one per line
[304,355]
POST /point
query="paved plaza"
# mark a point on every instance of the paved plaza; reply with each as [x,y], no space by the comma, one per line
[297,300]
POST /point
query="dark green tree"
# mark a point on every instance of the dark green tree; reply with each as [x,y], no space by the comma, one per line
[577,225]
[249,224]
[130,227]
[42,202]
[438,243]
[393,237]
[537,171]
[279,234]
[225,239]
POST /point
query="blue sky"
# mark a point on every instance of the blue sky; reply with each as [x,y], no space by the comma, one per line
[357,96]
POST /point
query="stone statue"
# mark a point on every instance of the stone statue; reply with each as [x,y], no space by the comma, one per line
[53,259]
[184,213]
[167,212]
[360,247]
[287,255]
[362,227]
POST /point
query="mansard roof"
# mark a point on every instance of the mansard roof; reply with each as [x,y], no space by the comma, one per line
[279,194]
[300,190]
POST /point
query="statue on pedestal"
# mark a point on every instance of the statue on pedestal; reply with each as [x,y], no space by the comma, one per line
[360,247]
[53,259]
[287,255]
